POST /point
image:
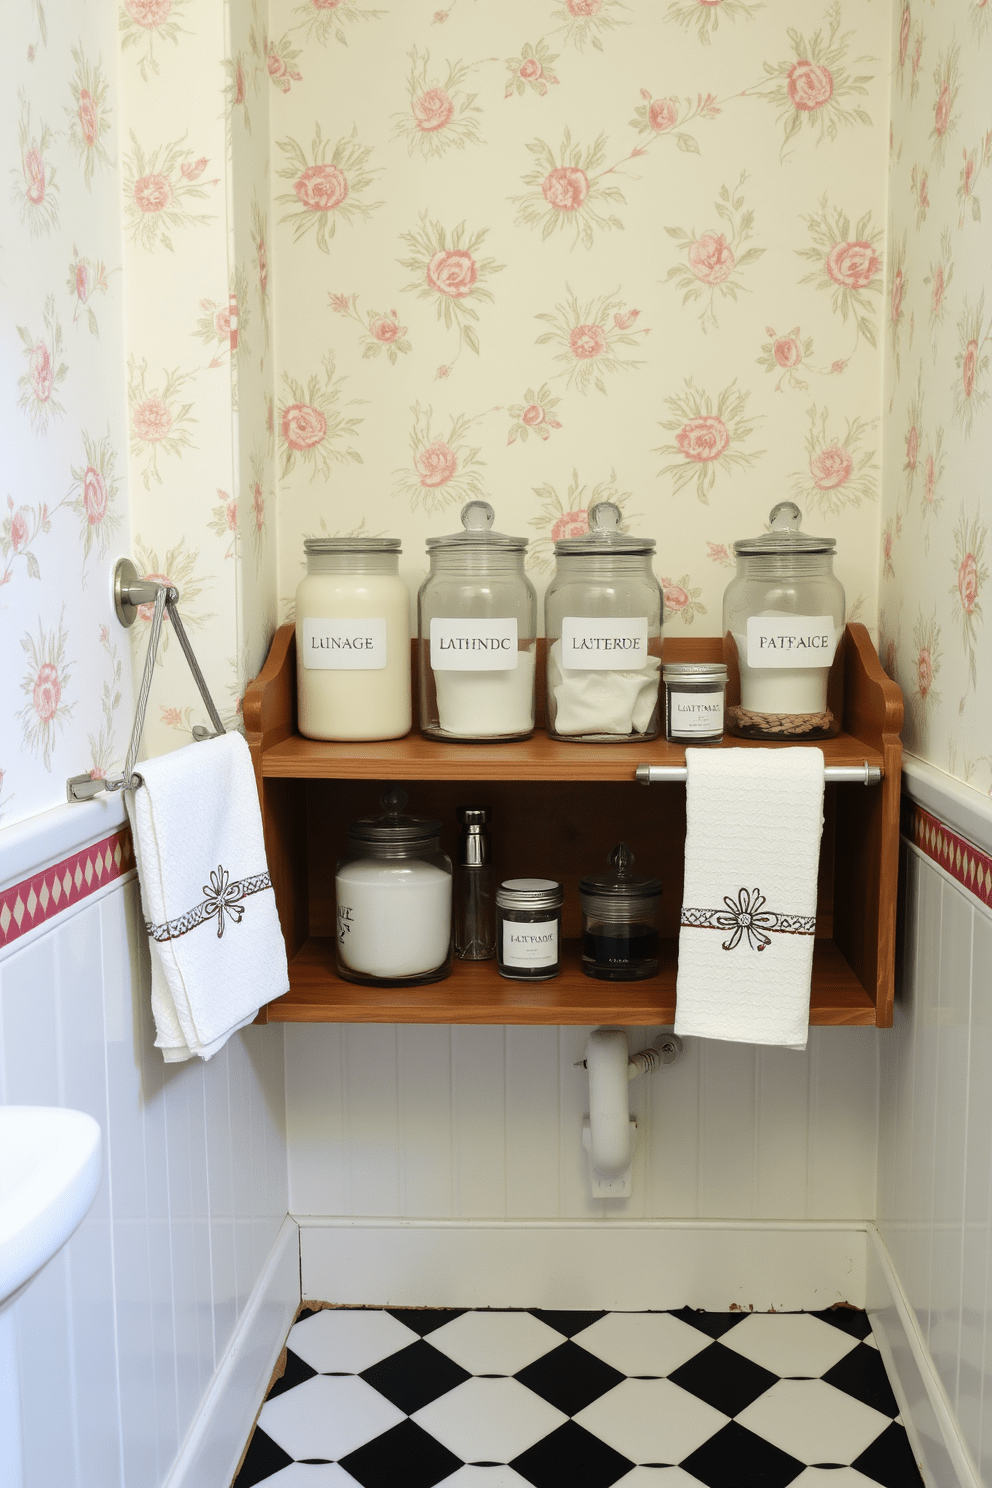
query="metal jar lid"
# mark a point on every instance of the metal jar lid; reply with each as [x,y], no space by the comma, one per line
[351,545]
[621,883]
[529,893]
[393,829]
[785,536]
[695,671]
[604,535]
[477,534]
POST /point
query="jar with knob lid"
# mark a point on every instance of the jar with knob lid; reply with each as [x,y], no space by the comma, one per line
[620,921]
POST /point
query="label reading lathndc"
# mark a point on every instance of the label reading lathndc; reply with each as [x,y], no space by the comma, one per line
[607,644]
[691,713]
[530,945]
[473,645]
[790,641]
[344,645]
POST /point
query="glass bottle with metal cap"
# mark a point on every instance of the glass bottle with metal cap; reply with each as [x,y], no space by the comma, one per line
[475,901]
[603,613]
[353,640]
[783,621]
[695,693]
[393,889]
[477,623]
[620,921]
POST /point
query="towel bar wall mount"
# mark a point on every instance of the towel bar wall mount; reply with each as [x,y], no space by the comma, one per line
[130,592]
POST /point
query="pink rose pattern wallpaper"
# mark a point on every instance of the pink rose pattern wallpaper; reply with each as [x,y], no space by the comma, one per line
[934,604]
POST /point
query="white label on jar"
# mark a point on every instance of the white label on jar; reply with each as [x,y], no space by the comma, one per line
[344,645]
[695,713]
[609,644]
[473,645]
[530,945]
[790,641]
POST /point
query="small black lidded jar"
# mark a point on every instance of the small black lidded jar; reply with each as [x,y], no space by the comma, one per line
[620,921]
[529,929]
[695,696]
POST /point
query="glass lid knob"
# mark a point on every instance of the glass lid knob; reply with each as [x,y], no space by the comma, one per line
[477,516]
[392,801]
[786,517]
[621,859]
[605,516]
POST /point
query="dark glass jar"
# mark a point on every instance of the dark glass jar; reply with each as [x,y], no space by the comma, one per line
[620,921]
[529,929]
[694,701]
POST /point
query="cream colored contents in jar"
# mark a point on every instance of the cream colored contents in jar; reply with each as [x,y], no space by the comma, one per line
[394,919]
[787,679]
[353,656]
[489,703]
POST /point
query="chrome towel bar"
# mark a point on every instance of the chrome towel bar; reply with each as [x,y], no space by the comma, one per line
[864,774]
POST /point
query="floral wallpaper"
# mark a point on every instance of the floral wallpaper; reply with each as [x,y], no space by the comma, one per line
[65,687]
[936,551]
[551,250]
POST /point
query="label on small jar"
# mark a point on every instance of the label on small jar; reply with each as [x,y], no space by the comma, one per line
[790,641]
[691,713]
[530,945]
[344,645]
[473,645]
[607,644]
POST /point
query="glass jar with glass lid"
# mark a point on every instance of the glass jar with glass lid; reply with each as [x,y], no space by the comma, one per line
[353,640]
[620,921]
[783,621]
[393,889]
[477,614]
[602,615]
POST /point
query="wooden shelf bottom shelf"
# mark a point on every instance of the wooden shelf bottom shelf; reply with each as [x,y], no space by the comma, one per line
[476,993]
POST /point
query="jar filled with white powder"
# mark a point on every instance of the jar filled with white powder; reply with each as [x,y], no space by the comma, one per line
[477,623]
[783,620]
[393,891]
[602,615]
[353,640]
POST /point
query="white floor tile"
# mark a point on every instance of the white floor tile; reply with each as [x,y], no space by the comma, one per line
[339,1340]
[790,1344]
[312,1475]
[652,1343]
[327,1417]
[485,1477]
[651,1420]
[495,1342]
[657,1477]
[829,1477]
[489,1420]
[813,1421]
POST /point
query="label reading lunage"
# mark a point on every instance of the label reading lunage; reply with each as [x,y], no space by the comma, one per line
[790,641]
[344,645]
[473,645]
[530,945]
[610,644]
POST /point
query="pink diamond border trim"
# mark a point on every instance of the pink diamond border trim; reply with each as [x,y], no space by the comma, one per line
[967,865]
[26,905]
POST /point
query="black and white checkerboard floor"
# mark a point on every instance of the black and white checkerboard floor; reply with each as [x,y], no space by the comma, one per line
[484,1399]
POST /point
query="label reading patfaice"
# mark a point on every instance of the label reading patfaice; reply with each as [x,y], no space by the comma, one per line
[616,644]
[344,645]
[530,945]
[695,713]
[473,645]
[790,641]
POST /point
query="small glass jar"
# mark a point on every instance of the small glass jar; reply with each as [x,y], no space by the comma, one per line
[602,617]
[695,693]
[353,640]
[477,613]
[393,889]
[783,621]
[620,921]
[529,929]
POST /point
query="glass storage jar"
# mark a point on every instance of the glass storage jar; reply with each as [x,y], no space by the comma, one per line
[695,695]
[620,921]
[528,945]
[353,640]
[393,890]
[783,621]
[477,614]
[602,617]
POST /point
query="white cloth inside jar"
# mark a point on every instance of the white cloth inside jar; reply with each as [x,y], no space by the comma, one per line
[602,702]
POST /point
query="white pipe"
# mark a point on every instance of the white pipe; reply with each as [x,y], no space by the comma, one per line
[610,1143]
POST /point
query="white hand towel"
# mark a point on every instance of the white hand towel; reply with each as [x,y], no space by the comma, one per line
[753,824]
[216,946]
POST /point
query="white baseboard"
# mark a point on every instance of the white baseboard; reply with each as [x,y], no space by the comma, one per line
[718,1264]
[212,1450]
[933,1432]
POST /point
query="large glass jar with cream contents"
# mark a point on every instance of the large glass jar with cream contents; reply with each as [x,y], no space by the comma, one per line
[353,640]
[783,621]
[477,623]
[602,614]
[393,890]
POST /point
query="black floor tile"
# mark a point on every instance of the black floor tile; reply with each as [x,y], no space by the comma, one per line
[715,1324]
[262,1459]
[424,1320]
[861,1373]
[415,1376]
[723,1378]
[571,1458]
[569,1378]
[736,1458]
[294,1374]
[890,1461]
[568,1323]
[405,1455]
[848,1319]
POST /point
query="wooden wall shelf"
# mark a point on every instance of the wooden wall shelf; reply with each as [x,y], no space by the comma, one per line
[557,809]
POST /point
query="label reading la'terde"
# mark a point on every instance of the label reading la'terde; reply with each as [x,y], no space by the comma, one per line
[607,644]
[530,945]
[691,713]
[790,641]
[344,645]
[473,645]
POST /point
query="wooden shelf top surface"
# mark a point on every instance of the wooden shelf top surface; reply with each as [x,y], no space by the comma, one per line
[536,758]
[476,993]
